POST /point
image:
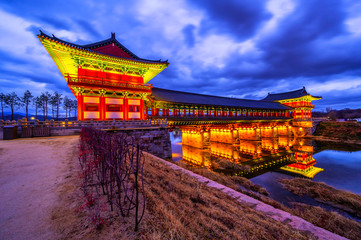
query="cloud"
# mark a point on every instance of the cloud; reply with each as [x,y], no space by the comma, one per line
[240,19]
[88,27]
[189,35]
[228,48]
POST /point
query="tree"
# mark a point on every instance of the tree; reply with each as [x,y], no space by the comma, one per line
[2,104]
[328,109]
[56,99]
[53,106]
[26,99]
[74,106]
[13,101]
[67,105]
[45,98]
[38,104]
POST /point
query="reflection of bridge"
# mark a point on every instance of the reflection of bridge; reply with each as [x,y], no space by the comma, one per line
[253,157]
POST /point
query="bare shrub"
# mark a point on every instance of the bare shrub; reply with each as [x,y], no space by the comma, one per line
[112,175]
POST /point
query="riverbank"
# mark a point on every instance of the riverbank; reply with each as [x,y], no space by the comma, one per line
[179,206]
[331,221]
[343,132]
[345,200]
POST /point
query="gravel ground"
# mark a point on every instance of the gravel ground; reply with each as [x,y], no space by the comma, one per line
[30,172]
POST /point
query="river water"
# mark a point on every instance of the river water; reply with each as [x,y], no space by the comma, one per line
[265,162]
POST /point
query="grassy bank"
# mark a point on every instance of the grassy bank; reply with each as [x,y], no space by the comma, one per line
[340,199]
[344,200]
[346,131]
[178,207]
[320,217]
[331,221]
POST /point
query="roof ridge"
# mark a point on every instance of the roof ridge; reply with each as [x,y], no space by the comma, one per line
[85,47]
[110,40]
[288,91]
[203,99]
[199,94]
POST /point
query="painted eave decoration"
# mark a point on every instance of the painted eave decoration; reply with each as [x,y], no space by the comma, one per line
[68,57]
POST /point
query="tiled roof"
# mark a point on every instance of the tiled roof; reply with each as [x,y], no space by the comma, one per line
[287,95]
[90,47]
[200,99]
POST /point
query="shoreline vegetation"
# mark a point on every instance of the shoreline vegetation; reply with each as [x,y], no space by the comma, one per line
[342,132]
[345,200]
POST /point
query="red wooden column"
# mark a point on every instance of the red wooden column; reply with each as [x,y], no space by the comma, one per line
[80,107]
[126,109]
[146,112]
[153,110]
[100,109]
[156,112]
[141,109]
[102,98]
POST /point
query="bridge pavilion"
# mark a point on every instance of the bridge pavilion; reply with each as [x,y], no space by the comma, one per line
[111,83]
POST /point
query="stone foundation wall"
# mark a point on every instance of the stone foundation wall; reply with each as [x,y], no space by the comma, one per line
[155,140]
[64,132]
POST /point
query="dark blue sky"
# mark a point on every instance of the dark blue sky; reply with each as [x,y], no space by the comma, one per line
[232,48]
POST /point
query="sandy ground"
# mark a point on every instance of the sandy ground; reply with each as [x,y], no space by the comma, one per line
[31,171]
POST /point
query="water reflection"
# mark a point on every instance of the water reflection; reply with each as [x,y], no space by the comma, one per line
[223,153]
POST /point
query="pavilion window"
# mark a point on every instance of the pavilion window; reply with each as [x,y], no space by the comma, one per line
[134,108]
[91,107]
[114,108]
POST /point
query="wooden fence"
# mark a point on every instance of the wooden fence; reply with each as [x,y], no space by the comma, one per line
[36,128]
[79,124]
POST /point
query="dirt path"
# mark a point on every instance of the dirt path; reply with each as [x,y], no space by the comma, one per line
[30,172]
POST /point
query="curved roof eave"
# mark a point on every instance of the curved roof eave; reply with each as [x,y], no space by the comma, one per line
[84,48]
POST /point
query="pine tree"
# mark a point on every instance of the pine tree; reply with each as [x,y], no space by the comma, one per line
[13,101]
[26,99]
[45,98]
[38,104]
[2,104]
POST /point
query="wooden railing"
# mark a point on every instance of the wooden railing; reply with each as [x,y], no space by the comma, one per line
[74,79]
[96,124]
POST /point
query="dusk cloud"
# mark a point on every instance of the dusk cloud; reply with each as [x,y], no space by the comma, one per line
[227,48]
